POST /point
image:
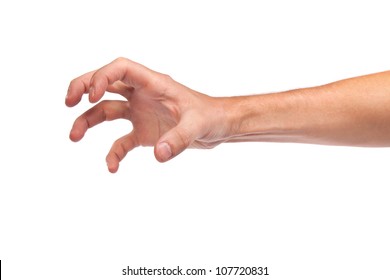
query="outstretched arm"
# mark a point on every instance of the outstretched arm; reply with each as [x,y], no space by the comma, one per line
[351,112]
[172,117]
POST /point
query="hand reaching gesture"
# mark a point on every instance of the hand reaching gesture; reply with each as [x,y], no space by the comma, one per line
[164,113]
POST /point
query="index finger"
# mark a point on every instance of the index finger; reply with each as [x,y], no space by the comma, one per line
[77,88]
[121,69]
[97,82]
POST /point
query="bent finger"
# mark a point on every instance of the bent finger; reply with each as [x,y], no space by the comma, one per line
[119,150]
[77,88]
[121,88]
[81,85]
[129,72]
[106,110]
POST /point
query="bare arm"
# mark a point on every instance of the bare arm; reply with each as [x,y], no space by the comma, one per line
[171,117]
[353,112]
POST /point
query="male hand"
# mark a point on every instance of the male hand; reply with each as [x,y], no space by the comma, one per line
[164,113]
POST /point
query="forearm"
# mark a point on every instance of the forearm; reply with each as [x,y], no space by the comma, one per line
[354,112]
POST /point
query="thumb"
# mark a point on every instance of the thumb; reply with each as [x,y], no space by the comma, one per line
[173,143]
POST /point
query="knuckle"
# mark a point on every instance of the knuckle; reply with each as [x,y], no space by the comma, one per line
[118,144]
[121,59]
[184,137]
[166,77]
[165,80]
[161,83]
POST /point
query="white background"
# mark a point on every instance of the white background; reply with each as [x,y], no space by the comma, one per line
[304,211]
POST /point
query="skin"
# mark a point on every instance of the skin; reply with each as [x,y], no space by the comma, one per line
[172,117]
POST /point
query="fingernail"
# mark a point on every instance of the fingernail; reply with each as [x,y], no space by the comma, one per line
[92,91]
[164,151]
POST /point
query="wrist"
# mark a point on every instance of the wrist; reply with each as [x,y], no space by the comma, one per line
[268,117]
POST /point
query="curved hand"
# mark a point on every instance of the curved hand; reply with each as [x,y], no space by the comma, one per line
[164,113]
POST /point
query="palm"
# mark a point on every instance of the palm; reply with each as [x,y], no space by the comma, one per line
[149,117]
